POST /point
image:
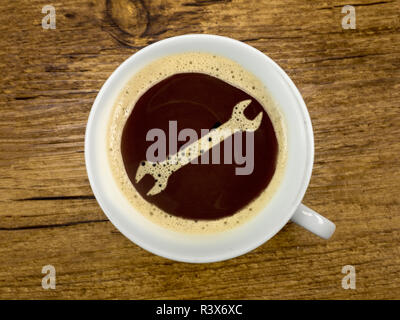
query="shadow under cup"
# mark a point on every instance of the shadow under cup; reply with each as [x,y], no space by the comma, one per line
[207,247]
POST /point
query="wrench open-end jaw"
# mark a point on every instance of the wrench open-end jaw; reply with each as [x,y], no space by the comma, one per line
[240,122]
[161,171]
[155,170]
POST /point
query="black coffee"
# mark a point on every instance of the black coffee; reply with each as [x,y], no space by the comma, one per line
[198,191]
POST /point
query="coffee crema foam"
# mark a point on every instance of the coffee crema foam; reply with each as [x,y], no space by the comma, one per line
[190,62]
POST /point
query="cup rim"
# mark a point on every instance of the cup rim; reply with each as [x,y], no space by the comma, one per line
[284,218]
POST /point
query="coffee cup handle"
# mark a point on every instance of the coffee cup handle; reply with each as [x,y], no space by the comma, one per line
[313,221]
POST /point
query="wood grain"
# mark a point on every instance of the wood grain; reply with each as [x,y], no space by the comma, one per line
[48,215]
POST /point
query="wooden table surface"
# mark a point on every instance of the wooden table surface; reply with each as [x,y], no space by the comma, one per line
[349,79]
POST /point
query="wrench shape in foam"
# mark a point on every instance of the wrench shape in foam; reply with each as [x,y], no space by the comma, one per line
[161,171]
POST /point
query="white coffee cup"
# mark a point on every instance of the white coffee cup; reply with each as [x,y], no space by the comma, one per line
[285,205]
